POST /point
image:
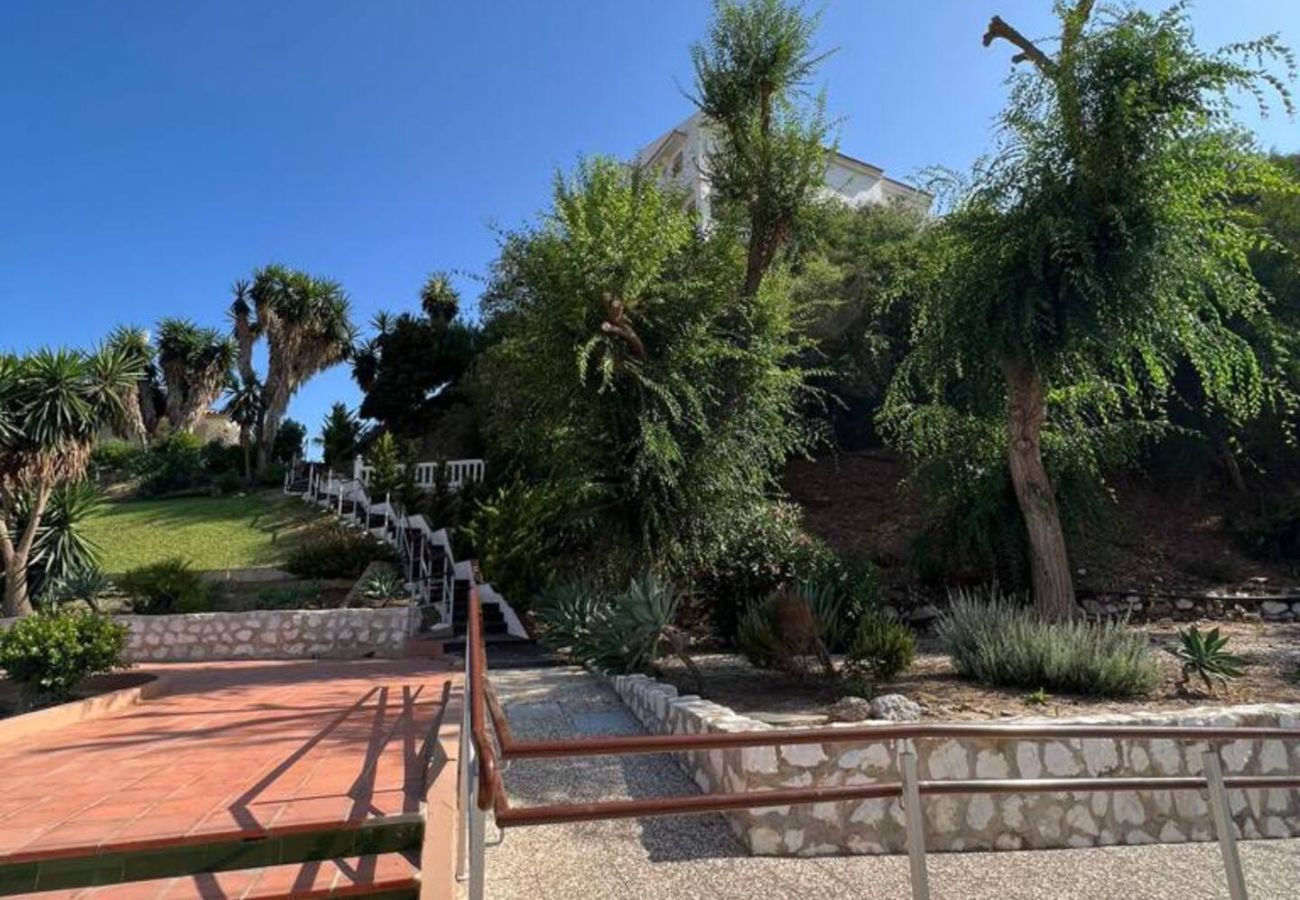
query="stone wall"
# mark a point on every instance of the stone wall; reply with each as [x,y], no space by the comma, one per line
[978,822]
[270,634]
[1152,607]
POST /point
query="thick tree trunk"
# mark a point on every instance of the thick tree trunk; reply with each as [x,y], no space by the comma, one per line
[17,602]
[1049,562]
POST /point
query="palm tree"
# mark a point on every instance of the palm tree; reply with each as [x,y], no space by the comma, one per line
[195,365]
[140,411]
[244,406]
[53,404]
[306,322]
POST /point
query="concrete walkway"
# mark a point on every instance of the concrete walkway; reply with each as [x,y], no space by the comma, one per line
[697,857]
[233,751]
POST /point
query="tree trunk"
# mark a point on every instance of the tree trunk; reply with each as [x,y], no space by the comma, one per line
[1049,562]
[246,442]
[17,602]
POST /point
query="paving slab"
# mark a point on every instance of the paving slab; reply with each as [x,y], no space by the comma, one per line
[682,858]
[235,750]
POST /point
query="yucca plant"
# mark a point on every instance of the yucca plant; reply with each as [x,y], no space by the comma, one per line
[85,585]
[1204,654]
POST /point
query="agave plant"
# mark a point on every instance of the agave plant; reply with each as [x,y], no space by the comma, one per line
[85,585]
[1205,655]
[383,586]
[793,625]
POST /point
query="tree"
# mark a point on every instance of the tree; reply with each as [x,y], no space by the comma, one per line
[750,82]
[631,379]
[289,441]
[340,434]
[53,403]
[244,406]
[306,323]
[385,466]
[140,412]
[195,365]
[412,369]
[1091,253]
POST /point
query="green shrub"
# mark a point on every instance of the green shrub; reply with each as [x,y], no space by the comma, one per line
[628,632]
[1270,533]
[85,585]
[336,552]
[769,550]
[882,648]
[48,654]
[173,465]
[997,641]
[116,457]
[166,587]
[228,482]
[218,457]
[792,626]
[279,598]
[1205,654]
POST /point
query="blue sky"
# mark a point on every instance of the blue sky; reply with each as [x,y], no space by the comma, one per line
[154,151]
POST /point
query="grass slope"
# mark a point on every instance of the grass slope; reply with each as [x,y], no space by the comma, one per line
[213,533]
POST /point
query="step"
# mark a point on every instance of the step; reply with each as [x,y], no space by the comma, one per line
[301,840]
[389,875]
[422,648]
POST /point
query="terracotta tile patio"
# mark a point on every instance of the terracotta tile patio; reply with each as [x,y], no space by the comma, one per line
[233,751]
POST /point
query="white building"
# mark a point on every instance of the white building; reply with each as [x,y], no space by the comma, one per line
[681,156]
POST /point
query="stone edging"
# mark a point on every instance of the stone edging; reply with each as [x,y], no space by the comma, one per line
[978,822]
[96,707]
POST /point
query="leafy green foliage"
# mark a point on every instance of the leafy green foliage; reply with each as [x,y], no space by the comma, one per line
[53,403]
[173,465]
[751,73]
[881,649]
[290,441]
[164,588]
[1093,254]
[340,435]
[1205,654]
[626,632]
[48,654]
[1271,531]
[306,322]
[383,586]
[994,640]
[385,466]
[86,585]
[337,552]
[412,369]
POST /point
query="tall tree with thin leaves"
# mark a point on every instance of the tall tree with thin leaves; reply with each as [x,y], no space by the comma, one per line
[1093,252]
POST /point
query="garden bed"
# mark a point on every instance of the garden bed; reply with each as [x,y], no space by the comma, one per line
[1272,675]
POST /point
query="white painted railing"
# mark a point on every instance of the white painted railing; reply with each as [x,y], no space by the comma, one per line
[458,472]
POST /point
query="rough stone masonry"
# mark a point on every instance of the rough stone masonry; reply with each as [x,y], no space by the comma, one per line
[980,822]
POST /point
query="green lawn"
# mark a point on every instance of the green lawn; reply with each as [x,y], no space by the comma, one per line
[211,532]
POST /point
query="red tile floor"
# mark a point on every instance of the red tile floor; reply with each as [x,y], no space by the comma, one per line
[234,750]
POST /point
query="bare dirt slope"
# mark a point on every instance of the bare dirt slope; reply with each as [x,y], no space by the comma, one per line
[1174,539]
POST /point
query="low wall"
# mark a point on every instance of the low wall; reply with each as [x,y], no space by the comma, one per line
[270,634]
[978,822]
[1186,607]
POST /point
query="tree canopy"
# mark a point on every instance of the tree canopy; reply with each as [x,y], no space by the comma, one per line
[1092,253]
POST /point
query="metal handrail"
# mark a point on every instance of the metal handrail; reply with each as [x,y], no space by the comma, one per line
[483,788]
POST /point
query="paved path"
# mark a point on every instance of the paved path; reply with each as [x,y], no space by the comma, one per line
[234,750]
[680,858]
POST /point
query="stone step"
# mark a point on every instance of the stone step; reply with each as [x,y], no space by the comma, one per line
[388,875]
[180,856]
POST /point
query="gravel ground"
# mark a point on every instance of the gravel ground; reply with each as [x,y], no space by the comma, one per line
[697,857]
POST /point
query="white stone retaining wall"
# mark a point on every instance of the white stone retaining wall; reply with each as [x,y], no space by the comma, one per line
[1151,607]
[979,822]
[270,634]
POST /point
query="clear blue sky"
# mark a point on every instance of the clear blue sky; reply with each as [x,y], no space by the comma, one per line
[154,151]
